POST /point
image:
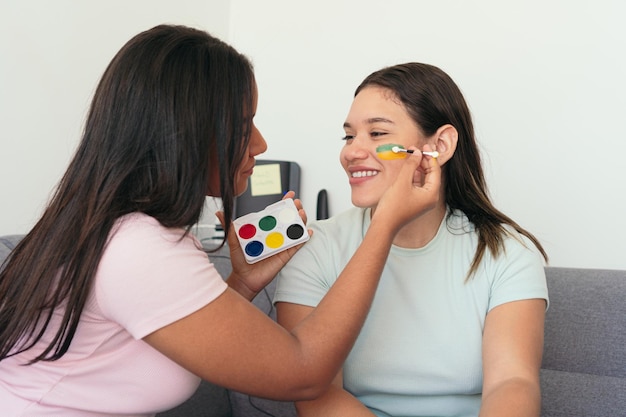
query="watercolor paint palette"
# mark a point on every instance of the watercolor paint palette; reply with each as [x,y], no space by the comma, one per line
[274,229]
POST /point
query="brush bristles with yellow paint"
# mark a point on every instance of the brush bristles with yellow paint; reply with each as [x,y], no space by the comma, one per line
[391,151]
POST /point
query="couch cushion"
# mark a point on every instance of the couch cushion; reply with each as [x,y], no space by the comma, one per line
[586,321]
[584,361]
[7,244]
[209,400]
[571,394]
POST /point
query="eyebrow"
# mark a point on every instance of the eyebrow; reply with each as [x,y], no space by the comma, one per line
[371,121]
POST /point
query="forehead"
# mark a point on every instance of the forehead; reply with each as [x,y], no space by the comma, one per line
[255,95]
[251,99]
[376,104]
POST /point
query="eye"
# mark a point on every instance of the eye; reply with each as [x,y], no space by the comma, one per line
[377,134]
[347,137]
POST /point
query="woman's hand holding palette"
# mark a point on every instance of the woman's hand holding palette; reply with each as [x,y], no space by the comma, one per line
[272,230]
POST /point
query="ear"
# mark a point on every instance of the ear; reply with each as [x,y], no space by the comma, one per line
[446,140]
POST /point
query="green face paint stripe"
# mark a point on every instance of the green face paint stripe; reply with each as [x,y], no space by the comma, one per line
[387,147]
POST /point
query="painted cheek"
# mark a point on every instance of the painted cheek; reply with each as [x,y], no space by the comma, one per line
[385,152]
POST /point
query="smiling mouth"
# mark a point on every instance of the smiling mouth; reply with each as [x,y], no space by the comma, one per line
[363,174]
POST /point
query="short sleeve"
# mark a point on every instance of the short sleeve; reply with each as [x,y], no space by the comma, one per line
[313,270]
[303,279]
[150,276]
[519,273]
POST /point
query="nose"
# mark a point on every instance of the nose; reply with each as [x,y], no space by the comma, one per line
[258,145]
[354,149]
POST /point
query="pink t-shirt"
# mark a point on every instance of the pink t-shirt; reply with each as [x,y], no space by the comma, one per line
[148,278]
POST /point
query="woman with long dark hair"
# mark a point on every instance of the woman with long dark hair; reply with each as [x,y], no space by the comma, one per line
[109,306]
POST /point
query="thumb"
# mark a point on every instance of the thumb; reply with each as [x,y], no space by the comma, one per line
[220,216]
[410,166]
[432,177]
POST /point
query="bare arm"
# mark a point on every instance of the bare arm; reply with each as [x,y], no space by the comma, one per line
[512,351]
[336,401]
[233,344]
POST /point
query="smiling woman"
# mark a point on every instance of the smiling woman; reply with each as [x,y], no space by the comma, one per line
[456,326]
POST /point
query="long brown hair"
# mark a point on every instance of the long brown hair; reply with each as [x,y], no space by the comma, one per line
[432,99]
[171,103]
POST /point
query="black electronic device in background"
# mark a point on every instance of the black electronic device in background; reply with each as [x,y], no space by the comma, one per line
[322,205]
[267,185]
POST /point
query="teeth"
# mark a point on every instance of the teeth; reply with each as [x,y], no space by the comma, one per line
[360,174]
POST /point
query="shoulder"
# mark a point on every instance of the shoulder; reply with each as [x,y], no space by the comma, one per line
[514,244]
[140,240]
[518,272]
[339,232]
[139,244]
[314,268]
[350,221]
[150,275]
[140,230]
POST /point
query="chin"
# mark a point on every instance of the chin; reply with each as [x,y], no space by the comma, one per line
[363,202]
[240,189]
[211,193]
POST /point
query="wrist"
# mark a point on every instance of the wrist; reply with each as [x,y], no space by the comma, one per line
[382,229]
[238,285]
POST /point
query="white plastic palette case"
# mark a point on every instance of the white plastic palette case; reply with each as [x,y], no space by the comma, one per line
[274,229]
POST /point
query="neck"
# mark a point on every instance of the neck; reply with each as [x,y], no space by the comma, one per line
[419,232]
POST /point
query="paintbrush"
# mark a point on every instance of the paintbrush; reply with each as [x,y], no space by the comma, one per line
[397,149]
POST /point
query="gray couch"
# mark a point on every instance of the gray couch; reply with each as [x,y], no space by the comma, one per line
[584,365]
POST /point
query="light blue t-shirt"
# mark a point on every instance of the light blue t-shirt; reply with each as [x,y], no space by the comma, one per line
[419,352]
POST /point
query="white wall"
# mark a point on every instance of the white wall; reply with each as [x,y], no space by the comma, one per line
[52,55]
[545,81]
